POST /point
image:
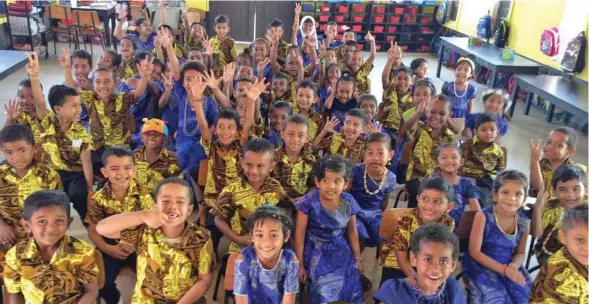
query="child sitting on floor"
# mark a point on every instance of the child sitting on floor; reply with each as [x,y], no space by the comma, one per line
[494,103]
[348,142]
[280,112]
[266,271]
[434,254]
[327,80]
[326,237]
[128,66]
[342,98]
[564,278]
[419,68]
[22,110]
[306,96]
[460,91]
[368,105]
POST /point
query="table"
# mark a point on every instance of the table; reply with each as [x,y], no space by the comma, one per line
[488,56]
[11,61]
[567,94]
[105,13]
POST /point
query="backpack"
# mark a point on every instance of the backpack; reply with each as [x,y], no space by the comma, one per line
[573,60]
[501,34]
[550,41]
[442,12]
[484,27]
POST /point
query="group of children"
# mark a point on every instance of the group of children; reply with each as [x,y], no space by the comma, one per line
[280,142]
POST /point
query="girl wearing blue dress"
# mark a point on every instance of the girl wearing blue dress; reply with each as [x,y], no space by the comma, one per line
[493,267]
[326,237]
[266,272]
[460,91]
[494,103]
[144,37]
[465,192]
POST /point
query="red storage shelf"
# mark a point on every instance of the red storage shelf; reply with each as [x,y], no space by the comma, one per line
[358,18]
[357,28]
[342,8]
[339,37]
[412,10]
[399,10]
[360,46]
[356,8]
[391,29]
[424,48]
[391,38]
[322,27]
[395,19]
[380,9]
[379,28]
[426,30]
[378,47]
[325,8]
[339,18]
[410,19]
[340,28]
[324,18]
[378,19]
[426,19]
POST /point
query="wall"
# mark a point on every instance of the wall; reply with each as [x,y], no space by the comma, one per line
[200,4]
[527,21]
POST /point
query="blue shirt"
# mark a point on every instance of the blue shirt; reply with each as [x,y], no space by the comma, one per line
[459,99]
[187,125]
[143,46]
[399,291]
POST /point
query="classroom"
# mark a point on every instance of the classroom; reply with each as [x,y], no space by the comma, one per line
[360,151]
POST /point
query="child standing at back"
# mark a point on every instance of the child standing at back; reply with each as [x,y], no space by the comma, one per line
[564,278]
[222,43]
[460,91]
[494,103]
[493,269]
[326,238]
[266,272]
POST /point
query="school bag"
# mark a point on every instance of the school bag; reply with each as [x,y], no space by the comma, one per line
[573,60]
[442,12]
[484,26]
[501,34]
[550,41]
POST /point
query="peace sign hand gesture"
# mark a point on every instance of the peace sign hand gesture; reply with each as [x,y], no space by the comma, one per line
[33,66]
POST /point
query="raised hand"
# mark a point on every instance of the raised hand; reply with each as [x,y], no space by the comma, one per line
[64,58]
[154,218]
[184,15]
[123,13]
[197,87]
[536,150]
[84,84]
[208,48]
[228,72]
[257,88]
[12,109]
[369,37]
[298,9]
[262,65]
[372,128]
[168,82]
[422,107]
[164,39]
[33,66]
[394,51]
[145,67]
[210,79]
[331,124]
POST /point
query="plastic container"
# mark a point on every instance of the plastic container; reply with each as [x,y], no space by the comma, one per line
[357,28]
[307,8]
[342,8]
[392,29]
[399,10]
[426,30]
[412,10]
[358,8]
[410,19]
[391,38]
[340,28]
[325,8]
[339,37]
[395,19]
[322,27]
[404,48]
[378,19]
[360,46]
[339,18]
[378,47]
[380,9]
[428,9]
[324,18]
[379,28]
[424,48]
[426,19]
[358,18]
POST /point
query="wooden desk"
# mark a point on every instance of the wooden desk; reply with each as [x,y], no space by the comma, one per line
[106,14]
[10,62]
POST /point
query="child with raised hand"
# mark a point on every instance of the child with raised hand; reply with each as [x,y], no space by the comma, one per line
[222,43]
[280,112]
[361,70]
[343,53]
[448,162]
[348,142]
[569,184]
[326,237]
[434,254]
[169,249]
[260,50]
[564,278]
[460,91]
[159,51]
[293,68]
[242,105]
[276,29]
[240,199]
[419,68]
[396,101]
[368,105]
[144,37]
[21,110]
[266,272]
[483,158]
[195,34]
[435,200]
[50,266]
[280,91]
[372,184]
[494,103]
[426,137]
[331,31]
[294,160]
[120,194]
[560,146]
[306,96]
[394,57]
[493,269]
[342,98]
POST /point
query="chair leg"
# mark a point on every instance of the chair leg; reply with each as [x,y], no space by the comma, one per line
[217,285]
[530,252]
[398,198]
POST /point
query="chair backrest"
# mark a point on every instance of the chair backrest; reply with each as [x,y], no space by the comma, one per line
[137,11]
[230,272]
[465,226]
[202,172]
[390,218]
[59,12]
[86,18]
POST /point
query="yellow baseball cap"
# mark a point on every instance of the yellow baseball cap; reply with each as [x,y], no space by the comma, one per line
[154,124]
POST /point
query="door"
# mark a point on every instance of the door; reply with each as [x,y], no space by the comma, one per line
[267,10]
[241,18]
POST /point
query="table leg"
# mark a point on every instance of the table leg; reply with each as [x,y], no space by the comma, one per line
[440,58]
[514,99]
[106,18]
[494,76]
[113,20]
[528,102]
[550,112]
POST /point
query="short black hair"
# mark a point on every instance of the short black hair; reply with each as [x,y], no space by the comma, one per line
[197,23]
[132,42]
[140,56]
[167,27]
[358,113]
[157,61]
[510,175]
[571,134]
[366,97]
[82,54]
[334,163]
[282,75]
[351,42]
[103,69]
[379,137]
[425,83]
[191,66]
[434,233]
[403,69]
[246,54]
[221,19]
[331,23]
[139,21]
[269,212]
[568,172]
[243,79]
[484,118]
[116,57]
[307,84]
[350,31]
[177,181]
[346,76]
[26,83]
[116,151]
[283,105]
[275,23]
[229,115]
[447,146]
[574,217]
[45,198]
[416,63]
[58,94]
[439,184]
[259,145]
[297,119]
[444,98]
[13,133]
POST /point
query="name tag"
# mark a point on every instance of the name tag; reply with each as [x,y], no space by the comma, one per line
[77,143]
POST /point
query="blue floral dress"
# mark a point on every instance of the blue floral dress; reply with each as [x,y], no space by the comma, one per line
[399,291]
[485,285]
[266,286]
[459,98]
[463,191]
[328,258]
[143,46]
[369,216]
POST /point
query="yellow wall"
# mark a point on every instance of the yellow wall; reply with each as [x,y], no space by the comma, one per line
[527,21]
[200,4]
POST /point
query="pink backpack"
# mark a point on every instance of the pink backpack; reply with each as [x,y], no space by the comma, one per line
[550,41]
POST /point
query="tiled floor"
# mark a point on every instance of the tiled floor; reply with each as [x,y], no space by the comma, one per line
[522,129]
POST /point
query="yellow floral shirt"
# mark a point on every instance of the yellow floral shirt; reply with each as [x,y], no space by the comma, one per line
[110,121]
[336,145]
[63,149]
[104,204]
[481,159]
[423,159]
[223,168]
[239,200]
[59,281]
[283,47]
[393,108]
[167,270]
[362,78]
[546,171]
[26,119]
[400,240]
[315,120]
[129,69]
[150,175]
[563,280]
[225,49]
[178,50]
[295,178]
[191,44]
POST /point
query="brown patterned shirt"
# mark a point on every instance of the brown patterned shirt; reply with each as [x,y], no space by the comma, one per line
[481,159]
[336,145]
[224,164]
[225,49]
[150,175]
[295,178]
[422,161]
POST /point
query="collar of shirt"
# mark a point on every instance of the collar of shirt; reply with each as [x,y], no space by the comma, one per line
[7,169]
[477,141]
[140,154]
[32,253]
[305,156]
[107,193]
[582,269]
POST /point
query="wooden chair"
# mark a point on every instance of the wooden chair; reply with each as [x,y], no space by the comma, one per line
[88,24]
[61,12]
[390,219]
[460,123]
[464,229]
[229,277]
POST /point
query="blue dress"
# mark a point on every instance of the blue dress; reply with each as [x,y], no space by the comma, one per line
[464,191]
[369,216]
[274,138]
[395,291]
[328,258]
[485,285]
[339,110]
[143,46]
[266,286]
[459,104]
[502,124]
